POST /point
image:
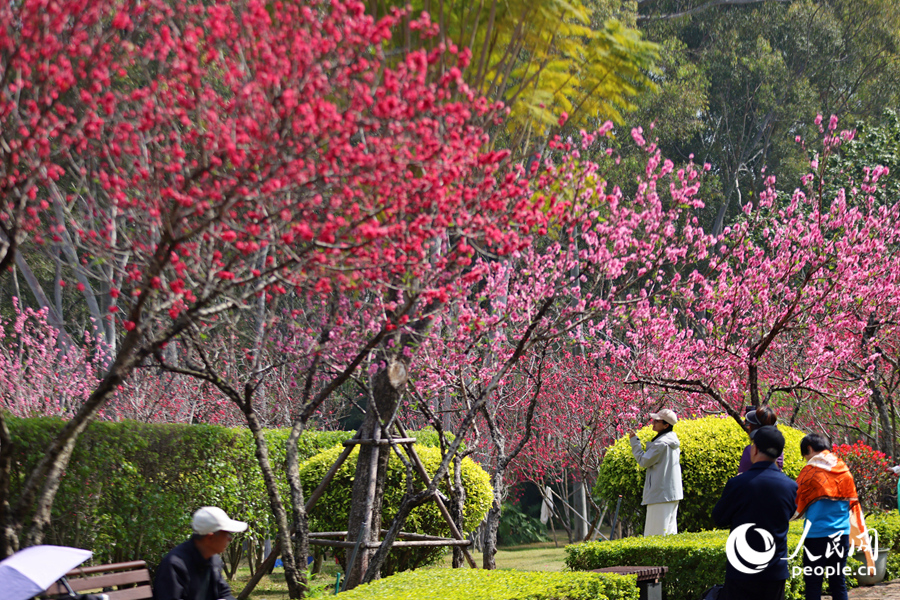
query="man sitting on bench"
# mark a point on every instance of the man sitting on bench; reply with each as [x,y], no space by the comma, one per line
[193,570]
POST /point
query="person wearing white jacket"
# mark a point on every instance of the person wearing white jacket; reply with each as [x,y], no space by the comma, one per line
[662,483]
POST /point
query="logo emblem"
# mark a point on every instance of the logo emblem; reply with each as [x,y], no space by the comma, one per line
[744,558]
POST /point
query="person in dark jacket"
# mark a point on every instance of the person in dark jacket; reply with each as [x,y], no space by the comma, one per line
[756,506]
[193,569]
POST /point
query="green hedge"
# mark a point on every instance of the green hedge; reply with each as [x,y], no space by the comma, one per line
[471,584]
[130,488]
[711,450]
[697,561]
[888,527]
[332,511]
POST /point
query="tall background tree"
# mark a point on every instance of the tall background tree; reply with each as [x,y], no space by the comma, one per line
[769,67]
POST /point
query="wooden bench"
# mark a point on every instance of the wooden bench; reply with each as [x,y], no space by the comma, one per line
[119,581]
[649,579]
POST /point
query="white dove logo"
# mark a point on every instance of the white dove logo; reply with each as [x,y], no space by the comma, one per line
[744,558]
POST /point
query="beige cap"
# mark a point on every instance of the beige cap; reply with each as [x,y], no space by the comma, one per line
[665,415]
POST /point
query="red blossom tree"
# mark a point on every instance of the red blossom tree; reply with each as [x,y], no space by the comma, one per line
[585,407]
[212,155]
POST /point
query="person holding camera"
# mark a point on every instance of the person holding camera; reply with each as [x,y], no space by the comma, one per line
[662,483]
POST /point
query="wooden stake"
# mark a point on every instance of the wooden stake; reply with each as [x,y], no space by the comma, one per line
[420,468]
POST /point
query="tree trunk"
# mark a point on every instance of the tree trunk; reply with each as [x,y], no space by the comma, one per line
[581,507]
[384,454]
[292,472]
[886,430]
[885,440]
[318,562]
[371,467]
[491,523]
[9,541]
[362,500]
[753,382]
[294,576]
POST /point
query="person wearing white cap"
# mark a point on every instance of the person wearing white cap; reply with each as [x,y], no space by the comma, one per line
[193,569]
[662,483]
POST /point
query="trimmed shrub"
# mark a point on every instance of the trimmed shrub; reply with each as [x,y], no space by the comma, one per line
[696,561]
[332,511]
[711,450]
[478,584]
[130,488]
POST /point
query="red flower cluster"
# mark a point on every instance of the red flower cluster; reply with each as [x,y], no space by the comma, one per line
[871,472]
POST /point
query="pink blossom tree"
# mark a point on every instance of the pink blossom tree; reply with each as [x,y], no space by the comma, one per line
[778,310]
[40,378]
[602,252]
[585,408]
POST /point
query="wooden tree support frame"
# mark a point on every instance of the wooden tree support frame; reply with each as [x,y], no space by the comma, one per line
[407,539]
[411,540]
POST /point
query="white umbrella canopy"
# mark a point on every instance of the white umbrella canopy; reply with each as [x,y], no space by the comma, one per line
[29,572]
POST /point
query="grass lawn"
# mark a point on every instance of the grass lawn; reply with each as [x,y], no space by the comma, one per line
[532,557]
[273,587]
[543,556]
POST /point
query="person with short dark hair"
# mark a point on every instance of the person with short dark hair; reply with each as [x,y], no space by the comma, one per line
[753,420]
[193,569]
[759,504]
[814,442]
[662,483]
[827,498]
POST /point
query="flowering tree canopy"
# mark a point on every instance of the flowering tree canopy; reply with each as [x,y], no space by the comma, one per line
[779,307]
[198,157]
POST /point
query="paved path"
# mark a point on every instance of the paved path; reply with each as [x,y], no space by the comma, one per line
[889,590]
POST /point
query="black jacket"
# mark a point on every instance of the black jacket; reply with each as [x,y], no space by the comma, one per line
[765,497]
[185,575]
